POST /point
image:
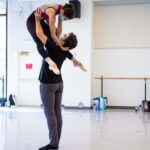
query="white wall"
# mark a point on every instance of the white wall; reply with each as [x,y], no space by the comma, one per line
[112,62]
[20,40]
[121,26]
[112,59]
[121,63]
[77,83]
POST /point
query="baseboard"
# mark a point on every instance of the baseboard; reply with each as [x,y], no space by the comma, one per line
[29,106]
[84,108]
[121,107]
[108,107]
[75,107]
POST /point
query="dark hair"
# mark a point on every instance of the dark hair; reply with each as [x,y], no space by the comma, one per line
[68,11]
[71,41]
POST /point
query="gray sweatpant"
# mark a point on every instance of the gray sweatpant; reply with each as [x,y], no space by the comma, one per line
[51,96]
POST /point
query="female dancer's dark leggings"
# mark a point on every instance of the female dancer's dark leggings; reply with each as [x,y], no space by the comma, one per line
[32,30]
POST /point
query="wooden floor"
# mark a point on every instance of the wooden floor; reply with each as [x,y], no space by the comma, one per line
[26,129]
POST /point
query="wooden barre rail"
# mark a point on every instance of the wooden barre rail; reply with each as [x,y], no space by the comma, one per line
[123,78]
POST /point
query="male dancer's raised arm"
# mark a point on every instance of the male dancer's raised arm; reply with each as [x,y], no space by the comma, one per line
[43,38]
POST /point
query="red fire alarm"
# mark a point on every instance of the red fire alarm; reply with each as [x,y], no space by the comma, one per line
[29,66]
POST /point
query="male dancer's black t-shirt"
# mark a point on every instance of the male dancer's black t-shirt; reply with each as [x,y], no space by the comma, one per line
[58,56]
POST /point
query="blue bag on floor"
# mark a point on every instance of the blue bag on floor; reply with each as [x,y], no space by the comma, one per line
[101,105]
[2,102]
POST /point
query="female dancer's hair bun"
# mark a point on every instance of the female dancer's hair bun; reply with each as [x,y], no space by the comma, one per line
[68,5]
[69,11]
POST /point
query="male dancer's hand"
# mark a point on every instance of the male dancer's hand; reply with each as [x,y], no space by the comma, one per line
[37,14]
[65,48]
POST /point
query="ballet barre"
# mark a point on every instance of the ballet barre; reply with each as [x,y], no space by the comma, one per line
[123,78]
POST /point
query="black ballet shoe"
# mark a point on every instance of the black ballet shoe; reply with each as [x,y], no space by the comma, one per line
[49,147]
